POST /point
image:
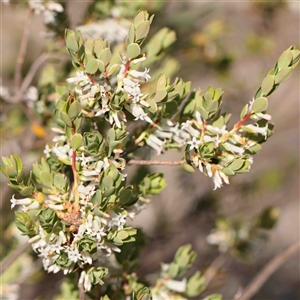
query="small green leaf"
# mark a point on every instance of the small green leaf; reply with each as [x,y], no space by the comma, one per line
[188,168]
[203,113]
[46,178]
[125,196]
[101,65]
[282,75]
[131,35]
[133,50]
[92,66]
[139,18]
[236,164]
[244,111]
[267,85]
[228,171]
[285,59]
[76,141]
[74,110]
[142,30]
[159,96]
[66,119]
[259,105]
[111,135]
[105,56]
[27,191]
[161,82]
[71,41]
[99,46]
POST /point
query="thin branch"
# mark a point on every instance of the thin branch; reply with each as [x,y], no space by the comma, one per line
[31,73]
[23,49]
[267,271]
[214,267]
[11,259]
[156,162]
[80,287]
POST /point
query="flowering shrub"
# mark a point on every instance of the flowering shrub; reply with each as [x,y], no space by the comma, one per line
[77,201]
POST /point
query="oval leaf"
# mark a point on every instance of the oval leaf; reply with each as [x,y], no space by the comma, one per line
[267,85]
[105,56]
[74,110]
[92,66]
[259,105]
[282,75]
[142,30]
[133,50]
[76,141]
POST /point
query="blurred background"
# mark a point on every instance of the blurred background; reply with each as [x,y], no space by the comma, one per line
[231,45]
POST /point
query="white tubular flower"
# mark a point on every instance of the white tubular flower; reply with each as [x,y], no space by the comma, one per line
[195,143]
[55,206]
[217,180]
[24,201]
[178,286]
[47,151]
[117,220]
[86,192]
[139,60]
[217,130]
[155,143]
[163,134]
[98,229]
[259,116]
[73,254]
[140,75]
[138,112]
[80,77]
[50,9]
[233,148]
[219,238]
[85,159]
[33,205]
[63,152]
[255,129]
[250,105]
[31,94]
[85,280]
[187,126]
[208,170]
[198,118]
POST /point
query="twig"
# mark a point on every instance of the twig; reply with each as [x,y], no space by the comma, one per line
[156,162]
[11,259]
[23,49]
[80,287]
[267,271]
[214,267]
[31,73]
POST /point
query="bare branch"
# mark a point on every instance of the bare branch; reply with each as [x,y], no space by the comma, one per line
[7,263]
[80,287]
[214,267]
[23,49]
[267,271]
[31,73]
[156,162]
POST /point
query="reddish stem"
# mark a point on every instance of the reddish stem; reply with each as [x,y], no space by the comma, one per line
[127,67]
[237,126]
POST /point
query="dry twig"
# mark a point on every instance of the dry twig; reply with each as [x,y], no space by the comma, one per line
[23,49]
[156,162]
[267,271]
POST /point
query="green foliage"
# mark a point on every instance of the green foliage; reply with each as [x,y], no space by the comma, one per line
[77,200]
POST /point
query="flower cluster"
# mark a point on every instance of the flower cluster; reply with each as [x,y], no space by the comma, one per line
[77,201]
[48,8]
